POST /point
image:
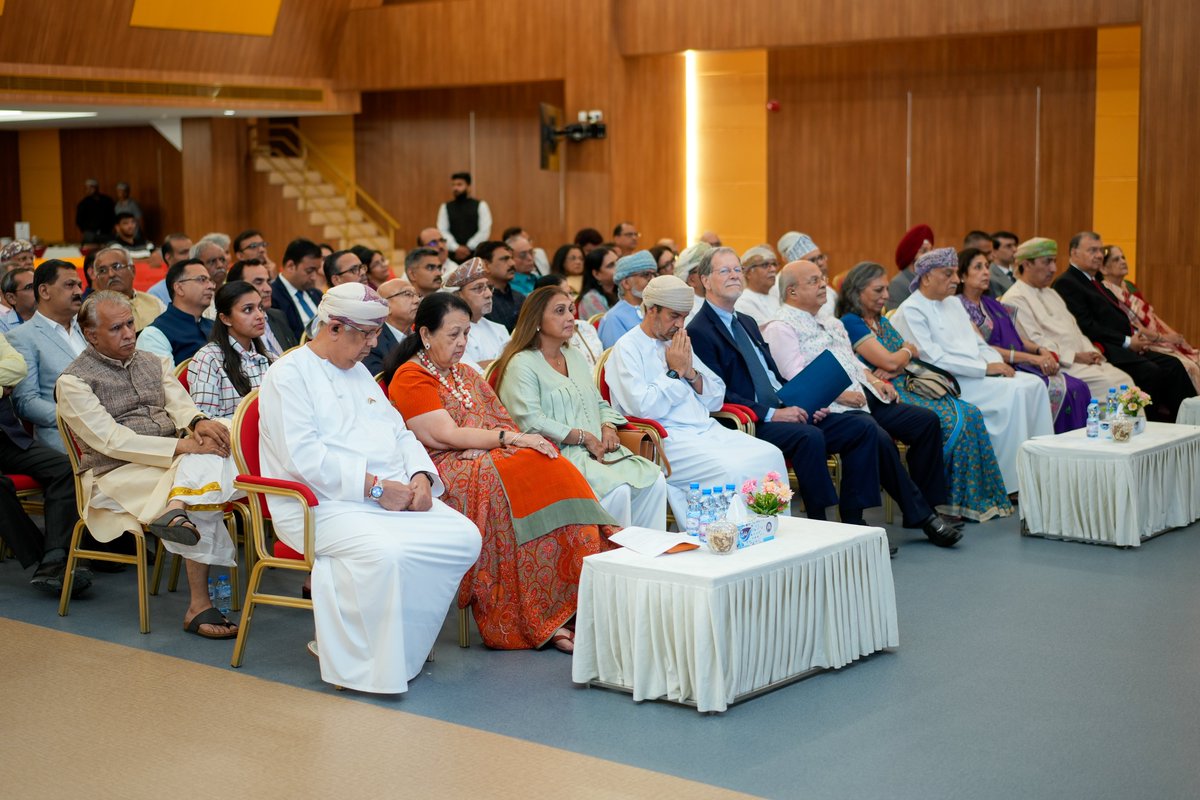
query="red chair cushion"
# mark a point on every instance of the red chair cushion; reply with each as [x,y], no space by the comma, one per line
[24,483]
[283,551]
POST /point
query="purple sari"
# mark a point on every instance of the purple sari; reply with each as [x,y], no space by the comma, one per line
[1069,397]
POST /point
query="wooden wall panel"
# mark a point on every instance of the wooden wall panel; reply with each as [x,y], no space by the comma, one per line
[215,176]
[459,43]
[975,112]
[10,188]
[1169,171]
[140,156]
[667,26]
[408,143]
[61,32]
[275,215]
[648,154]
[837,149]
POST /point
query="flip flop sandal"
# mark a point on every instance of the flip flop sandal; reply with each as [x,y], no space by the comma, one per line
[564,641]
[181,533]
[209,616]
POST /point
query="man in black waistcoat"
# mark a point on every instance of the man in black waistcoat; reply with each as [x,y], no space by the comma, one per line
[464,221]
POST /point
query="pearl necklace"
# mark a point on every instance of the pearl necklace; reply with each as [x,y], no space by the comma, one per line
[458,390]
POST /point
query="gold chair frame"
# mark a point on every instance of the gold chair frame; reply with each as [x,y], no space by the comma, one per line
[264,558]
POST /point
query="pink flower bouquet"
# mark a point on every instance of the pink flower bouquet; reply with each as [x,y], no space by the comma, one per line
[772,498]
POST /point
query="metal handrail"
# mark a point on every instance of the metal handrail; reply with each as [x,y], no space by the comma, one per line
[356,196]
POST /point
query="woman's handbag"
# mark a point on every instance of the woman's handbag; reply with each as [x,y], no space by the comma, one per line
[641,443]
[932,383]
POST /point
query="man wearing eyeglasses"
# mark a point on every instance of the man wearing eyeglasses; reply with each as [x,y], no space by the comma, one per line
[48,342]
[113,269]
[20,303]
[182,329]
[249,245]
[343,266]
[402,300]
[760,299]
[632,274]
[626,238]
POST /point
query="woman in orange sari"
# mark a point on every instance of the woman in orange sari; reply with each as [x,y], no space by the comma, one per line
[538,515]
[1141,315]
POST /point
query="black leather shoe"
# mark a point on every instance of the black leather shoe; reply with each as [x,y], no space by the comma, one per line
[954,522]
[892,551]
[939,532]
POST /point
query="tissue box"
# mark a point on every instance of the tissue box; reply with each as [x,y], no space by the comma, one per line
[758,530]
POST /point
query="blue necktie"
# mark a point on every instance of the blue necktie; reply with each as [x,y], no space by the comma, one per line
[764,392]
[303,301]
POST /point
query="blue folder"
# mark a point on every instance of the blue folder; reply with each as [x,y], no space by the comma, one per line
[817,385]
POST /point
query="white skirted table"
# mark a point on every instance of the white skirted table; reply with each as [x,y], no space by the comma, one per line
[710,630]
[1189,412]
[1105,492]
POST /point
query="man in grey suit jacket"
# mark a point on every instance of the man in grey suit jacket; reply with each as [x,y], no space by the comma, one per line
[48,342]
[1004,248]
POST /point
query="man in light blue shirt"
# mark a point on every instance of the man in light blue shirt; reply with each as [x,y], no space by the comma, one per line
[175,247]
[632,274]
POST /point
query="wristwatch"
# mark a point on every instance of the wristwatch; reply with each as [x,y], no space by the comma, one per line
[672,374]
[376,489]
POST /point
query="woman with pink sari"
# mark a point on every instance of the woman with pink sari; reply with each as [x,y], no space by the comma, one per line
[1141,315]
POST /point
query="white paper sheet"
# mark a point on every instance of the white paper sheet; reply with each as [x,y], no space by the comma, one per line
[650,542]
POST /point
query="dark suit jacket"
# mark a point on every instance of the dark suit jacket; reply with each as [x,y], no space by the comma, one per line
[281,298]
[1097,312]
[387,342]
[713,344]
[281,328]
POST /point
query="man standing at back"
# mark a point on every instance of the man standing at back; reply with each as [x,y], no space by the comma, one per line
[464,221]
[95,214]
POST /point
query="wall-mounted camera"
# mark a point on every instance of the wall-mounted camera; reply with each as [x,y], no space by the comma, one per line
[590,125]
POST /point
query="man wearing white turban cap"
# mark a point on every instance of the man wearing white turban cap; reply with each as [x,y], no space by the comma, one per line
[388,557]
[653,374]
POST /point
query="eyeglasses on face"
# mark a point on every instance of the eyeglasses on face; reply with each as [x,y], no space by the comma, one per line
[200,279]
[408,294]
[356,269]
[104,271]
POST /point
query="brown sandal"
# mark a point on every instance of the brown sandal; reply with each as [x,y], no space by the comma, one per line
[564,640]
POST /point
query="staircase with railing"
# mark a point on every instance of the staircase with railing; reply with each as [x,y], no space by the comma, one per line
[332,201]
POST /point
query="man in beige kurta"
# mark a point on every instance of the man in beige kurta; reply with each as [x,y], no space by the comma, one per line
[147,456]
[1046,320]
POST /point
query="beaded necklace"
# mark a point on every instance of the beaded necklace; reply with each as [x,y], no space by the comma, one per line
[458,390]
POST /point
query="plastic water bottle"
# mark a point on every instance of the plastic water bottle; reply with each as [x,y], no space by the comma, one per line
[224,594]
[212,592]
[1124,388]
[1093,420]
[719,503]
[1111,409]
[706,512]
[692,523]
[730,491]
